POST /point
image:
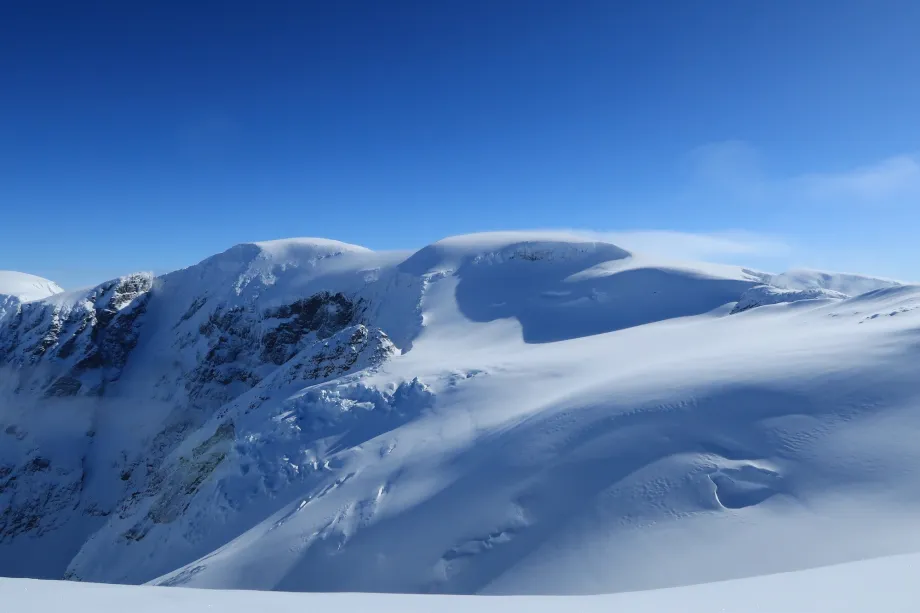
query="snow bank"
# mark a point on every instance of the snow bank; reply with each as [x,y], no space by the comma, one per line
[886,584]
[762,295]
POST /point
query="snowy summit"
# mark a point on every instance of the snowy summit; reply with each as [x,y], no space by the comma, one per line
[17,287]
[26,287]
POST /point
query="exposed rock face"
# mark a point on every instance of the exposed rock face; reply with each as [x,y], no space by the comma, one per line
[169,488]
[323,314]
[33,496]
[8,304]
[207,357]
[42,491]
[352,348]
[242,344]
[76,347]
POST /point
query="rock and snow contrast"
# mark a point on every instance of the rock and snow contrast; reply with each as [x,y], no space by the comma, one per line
[498,414]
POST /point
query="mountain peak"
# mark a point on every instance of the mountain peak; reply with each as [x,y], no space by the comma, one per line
[26,287]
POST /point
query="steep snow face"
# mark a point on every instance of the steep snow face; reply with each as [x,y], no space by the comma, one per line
[19,287]
[135,365]
[747,444]
[843,283]
[501,413]
[74,343]
[26,287]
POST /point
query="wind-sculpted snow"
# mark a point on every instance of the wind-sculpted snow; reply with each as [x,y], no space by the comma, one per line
[500,413]
[555,305]
[543,285]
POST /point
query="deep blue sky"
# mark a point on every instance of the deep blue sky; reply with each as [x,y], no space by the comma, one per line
[148,135]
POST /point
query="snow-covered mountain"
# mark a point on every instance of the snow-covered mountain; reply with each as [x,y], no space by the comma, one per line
[18,287]
[26,287]
[497,413]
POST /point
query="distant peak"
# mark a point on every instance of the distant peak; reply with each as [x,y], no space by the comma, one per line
[500,246]
[301,249]
[850,284]
[308,243]
[26,287]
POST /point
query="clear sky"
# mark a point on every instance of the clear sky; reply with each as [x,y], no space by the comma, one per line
[148,135]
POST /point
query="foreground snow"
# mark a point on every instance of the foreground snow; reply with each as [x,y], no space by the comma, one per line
[844,283]
[19,287]
[494,414]
[884,584]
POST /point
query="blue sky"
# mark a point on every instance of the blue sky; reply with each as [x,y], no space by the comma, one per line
[146,136]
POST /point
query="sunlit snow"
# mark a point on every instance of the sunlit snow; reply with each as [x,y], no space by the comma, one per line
[492,414]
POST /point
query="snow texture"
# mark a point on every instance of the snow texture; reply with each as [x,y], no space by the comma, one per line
[507,413]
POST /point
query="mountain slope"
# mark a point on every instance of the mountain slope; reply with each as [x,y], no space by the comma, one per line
[500,413]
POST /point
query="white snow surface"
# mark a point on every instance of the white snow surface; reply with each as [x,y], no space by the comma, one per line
[26,287]
[885,584]
[19,287]
[493,414]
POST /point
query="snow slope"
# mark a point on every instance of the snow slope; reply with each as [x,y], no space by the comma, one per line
[502,414]
[886,584]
